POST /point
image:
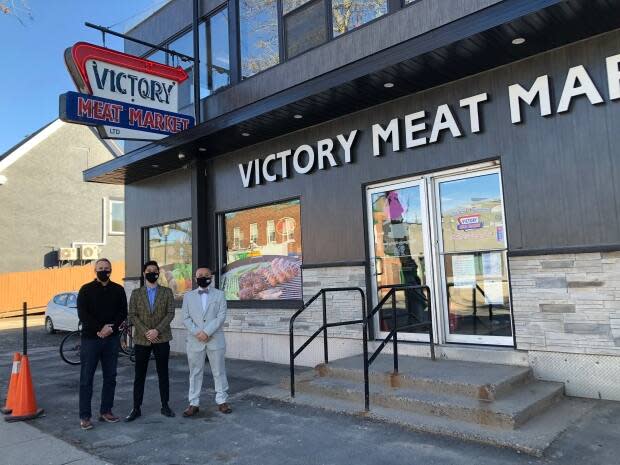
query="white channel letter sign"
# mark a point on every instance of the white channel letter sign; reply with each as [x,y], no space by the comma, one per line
[418,128]
[125,78]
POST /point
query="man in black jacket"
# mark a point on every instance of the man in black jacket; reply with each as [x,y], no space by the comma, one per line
[102,307]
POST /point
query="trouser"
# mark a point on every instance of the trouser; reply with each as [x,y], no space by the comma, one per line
[92,352]
[196,360]
[143,354]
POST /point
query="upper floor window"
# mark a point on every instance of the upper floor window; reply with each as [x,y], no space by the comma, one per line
[215,55]
[258,24]
[305,25]
[349,14]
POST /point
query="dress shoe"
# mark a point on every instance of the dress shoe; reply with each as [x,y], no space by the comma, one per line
[86,424]
[224,408]
[165,411]
[109,418]
[190,411]
[135,413]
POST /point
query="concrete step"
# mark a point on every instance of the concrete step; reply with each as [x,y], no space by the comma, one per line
[532,438]
[477,380]
[510,412]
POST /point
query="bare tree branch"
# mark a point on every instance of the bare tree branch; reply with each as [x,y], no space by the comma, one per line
[19,9]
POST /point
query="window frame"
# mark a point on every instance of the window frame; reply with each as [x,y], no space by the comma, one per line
[111,231]
[234,38]
[220,216]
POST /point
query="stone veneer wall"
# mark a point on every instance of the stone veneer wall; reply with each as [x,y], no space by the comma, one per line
[341,306]
[567,303]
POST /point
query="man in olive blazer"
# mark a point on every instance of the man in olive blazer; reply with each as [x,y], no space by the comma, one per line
[151,309]
[204,314]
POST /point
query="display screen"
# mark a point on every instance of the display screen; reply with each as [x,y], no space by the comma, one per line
[170,245]
[263,253]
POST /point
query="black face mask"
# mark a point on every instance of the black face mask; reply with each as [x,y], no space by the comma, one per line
[203,281]
[151,277]
[103,276]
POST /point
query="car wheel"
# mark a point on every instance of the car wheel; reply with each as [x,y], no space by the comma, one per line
[49,325]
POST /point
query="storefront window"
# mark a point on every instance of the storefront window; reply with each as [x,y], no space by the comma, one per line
[349,14]
[305,27]
[267,267]
[259,35]
[170,245]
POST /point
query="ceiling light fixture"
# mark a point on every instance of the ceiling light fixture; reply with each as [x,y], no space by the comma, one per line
[518,41]
[181,156]
[245,134]
[298,116]
[388,85]
[155,166]
[202,149]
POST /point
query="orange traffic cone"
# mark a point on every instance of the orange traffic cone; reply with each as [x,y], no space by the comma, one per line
[11,394]
[25,405]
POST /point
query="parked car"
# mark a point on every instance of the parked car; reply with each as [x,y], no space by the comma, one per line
[61,313]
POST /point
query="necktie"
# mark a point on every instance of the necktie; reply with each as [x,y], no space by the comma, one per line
[202,292]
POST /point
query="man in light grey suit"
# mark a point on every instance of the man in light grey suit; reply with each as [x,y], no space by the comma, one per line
[204,313]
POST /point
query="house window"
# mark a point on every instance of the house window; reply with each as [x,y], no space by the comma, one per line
[270,268]
[271,231]
[350,14]
[258,25]
[170,245]
[237,238]
[289,229]
[117,217]
[304,27]
[253,234]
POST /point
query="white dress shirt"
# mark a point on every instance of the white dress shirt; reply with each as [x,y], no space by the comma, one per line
[204,297]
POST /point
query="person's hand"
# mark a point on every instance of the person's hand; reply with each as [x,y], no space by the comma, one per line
[106,331]
[202,336]
[152,335]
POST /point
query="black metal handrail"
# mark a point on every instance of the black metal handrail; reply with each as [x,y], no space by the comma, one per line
[393,288]
[323,292]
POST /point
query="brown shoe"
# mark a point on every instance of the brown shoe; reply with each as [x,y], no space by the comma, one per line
[224,408]
[86,424]
[191,411]
[109,418]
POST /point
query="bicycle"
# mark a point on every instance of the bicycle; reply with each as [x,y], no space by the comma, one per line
[72,343]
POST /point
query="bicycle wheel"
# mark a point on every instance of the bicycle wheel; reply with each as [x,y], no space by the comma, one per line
[70,348]
[126,340]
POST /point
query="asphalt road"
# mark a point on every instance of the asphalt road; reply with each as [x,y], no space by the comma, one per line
[261,432]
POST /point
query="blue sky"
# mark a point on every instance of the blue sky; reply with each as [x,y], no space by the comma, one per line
[33,72]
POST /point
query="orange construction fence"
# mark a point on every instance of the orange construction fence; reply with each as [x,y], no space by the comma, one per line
[38,287]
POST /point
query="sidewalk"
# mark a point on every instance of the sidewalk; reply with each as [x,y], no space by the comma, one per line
[23,444]
[260,431]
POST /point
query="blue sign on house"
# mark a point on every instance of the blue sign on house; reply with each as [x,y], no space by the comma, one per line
[96,111]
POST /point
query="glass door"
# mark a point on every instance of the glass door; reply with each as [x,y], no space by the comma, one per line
[472,257]
[397,215]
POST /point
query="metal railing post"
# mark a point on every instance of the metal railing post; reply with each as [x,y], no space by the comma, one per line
[430,324]
[395,340]
[25,329]
[325,354]
[365,351]
[292,358]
